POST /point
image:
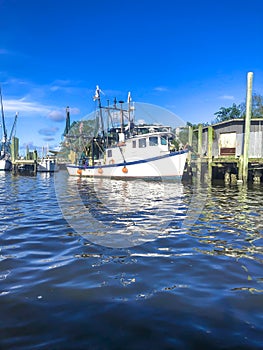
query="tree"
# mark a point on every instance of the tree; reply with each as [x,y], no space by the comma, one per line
[226,113]
[257,106]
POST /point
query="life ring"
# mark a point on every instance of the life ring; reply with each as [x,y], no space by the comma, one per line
[112,161]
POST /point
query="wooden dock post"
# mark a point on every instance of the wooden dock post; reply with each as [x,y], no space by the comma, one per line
[14,148]
[247,126]
[35,162]
[209,151]
[240,169]
[190,142]
[199,151]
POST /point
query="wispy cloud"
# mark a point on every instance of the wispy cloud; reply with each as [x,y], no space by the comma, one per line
[48,131]
[48,139]
[160,88]
[227,97]
[60,85]
[26,106]
[56,116]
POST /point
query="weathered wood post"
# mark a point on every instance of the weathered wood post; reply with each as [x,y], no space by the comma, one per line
[199,152]
[190,142]
[240,169]
[35,161]
[209,151]
[247,125]
[14,148]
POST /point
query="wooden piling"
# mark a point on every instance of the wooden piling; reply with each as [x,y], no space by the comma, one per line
[247,126]
[190,142]
[14,148]
[209,151]
[199,150]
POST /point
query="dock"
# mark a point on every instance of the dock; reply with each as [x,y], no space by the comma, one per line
[24,165]
[19,165]
[231,150]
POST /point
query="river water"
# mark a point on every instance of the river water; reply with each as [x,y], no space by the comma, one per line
[129,265]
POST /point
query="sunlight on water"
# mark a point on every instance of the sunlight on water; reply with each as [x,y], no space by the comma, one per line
[196,282]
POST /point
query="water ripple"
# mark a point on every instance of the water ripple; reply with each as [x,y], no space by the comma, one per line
[190,287]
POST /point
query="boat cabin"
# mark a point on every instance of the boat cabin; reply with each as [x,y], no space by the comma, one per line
[138,147]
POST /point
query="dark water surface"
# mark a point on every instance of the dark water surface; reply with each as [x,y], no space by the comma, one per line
[198,285]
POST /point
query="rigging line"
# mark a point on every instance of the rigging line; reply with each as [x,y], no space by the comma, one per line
[122,154]
[99,146]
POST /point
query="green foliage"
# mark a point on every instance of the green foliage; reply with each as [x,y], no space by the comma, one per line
[257,107]
[226,113]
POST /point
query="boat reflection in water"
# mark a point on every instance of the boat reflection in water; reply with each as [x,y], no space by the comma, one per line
[120,213]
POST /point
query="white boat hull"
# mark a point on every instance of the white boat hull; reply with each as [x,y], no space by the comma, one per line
[47,165]
[167,166]
[5,165]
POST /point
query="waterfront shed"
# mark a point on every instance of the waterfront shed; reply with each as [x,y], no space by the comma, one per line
[228,138]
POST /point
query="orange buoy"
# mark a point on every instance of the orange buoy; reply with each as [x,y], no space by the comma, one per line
[124,170]
[79,171]
[100,171]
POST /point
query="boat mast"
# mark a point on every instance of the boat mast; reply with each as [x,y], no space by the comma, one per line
[97,97]
[121,114]
[3,119]
[129,111]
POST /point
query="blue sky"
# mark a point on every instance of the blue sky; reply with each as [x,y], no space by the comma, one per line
[190,57]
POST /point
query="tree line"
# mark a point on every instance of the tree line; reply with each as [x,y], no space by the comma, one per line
[236,111]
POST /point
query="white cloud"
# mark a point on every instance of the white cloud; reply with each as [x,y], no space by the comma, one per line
[160,89]
[57,116]
[48,139]
[26,107]
[74,111]
[227,97]
[48,131]
[141,121]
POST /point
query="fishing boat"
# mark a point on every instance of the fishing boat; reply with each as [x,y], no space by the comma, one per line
[48,162]
[125,150]
[5,152]
[5,163]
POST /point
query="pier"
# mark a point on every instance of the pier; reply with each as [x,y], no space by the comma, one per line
[231,150]
[27,165]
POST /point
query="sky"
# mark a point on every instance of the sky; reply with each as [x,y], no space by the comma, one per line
[190,57]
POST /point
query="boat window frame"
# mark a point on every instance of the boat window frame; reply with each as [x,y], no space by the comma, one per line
[164,140]
[142,142]
[152,143]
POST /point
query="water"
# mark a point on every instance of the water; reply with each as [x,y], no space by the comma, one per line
[191,283]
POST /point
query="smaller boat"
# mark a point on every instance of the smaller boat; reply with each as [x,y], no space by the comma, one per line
[48,163]
[5,162]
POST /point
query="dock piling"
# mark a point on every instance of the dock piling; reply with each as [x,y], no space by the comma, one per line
[247,125]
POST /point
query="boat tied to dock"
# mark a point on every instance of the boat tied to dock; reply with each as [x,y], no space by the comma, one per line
[124,149]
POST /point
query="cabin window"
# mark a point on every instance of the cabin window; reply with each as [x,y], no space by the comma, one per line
[163,140]
[109,153]
[153,141]
[134,144]
[142,143]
